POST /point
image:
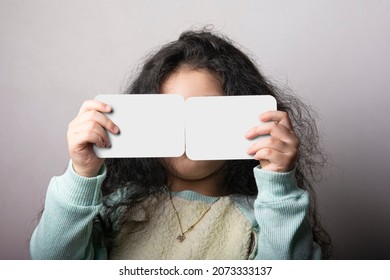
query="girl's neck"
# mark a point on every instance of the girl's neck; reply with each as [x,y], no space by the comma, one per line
[207,186]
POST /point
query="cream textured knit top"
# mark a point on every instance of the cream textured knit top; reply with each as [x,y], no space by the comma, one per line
[224,232]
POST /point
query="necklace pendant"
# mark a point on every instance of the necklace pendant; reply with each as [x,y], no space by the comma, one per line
[181,237]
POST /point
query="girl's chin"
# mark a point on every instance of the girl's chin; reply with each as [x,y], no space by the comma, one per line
[188,169]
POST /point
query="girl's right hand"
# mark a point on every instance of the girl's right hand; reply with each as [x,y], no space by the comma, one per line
[88,128]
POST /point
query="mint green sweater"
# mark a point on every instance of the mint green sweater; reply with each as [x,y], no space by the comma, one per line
[278,217]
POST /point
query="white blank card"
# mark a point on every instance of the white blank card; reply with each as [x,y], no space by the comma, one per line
[216,125]
[166,125]
[151,125]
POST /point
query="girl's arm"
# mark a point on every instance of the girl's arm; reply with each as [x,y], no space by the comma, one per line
[281,213]
[65,228]
[74,199]
[281,207]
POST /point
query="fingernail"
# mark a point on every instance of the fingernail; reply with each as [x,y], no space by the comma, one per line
[116,129]
[108,107]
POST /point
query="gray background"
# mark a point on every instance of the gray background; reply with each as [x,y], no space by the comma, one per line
[335,54]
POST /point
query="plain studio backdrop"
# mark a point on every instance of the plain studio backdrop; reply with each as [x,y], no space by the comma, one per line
[334,54]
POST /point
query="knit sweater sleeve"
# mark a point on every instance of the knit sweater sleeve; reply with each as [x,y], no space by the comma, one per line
[281,212]
[65,228]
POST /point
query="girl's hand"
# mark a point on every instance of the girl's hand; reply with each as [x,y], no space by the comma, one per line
[86,129]
[278,152]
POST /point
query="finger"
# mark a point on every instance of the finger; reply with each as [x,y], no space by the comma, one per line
[277,116]
[98,117]
[271,143]
[269,154]
[273,156]
[274,129]
[96,105]
[87,137]
[276,161]
[94,127]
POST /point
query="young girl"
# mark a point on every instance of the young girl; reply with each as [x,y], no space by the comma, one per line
[176,208]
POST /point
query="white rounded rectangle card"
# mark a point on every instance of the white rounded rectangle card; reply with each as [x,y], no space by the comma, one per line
[166,125]
[151,125]
[216,125]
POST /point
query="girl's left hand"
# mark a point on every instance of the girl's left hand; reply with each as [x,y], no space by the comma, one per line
[279,151]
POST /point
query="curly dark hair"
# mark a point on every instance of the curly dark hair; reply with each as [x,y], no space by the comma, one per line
[238,75]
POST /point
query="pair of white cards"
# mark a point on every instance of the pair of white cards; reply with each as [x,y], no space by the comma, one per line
[166,125]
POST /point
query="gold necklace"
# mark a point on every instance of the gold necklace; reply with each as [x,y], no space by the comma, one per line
[182,236]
